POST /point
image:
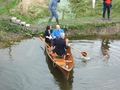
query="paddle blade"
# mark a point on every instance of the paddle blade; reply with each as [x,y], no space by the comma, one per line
[84,54]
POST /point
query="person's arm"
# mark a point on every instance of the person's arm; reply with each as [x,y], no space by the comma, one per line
[58,1]
[50,4]
[65,46]
[45,34]
[53,34]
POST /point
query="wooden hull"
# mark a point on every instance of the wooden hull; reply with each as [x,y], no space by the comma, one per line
[66,65]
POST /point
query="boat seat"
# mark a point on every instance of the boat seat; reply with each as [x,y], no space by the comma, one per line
[68,60]
[60,62]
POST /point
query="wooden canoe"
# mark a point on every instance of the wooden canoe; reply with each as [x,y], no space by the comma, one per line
[66,65]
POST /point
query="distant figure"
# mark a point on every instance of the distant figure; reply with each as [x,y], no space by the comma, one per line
[106,5]
[93,3]
[60,46]
[47,34]
[52,8]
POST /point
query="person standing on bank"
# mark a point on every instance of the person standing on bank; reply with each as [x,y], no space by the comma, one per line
[52,8]
[106,5]
[47,34]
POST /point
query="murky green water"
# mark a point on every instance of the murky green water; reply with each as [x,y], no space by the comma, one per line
[25,66]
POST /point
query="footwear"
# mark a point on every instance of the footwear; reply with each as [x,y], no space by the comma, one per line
[58,56]
[57,21]
[109,19]
[103,18]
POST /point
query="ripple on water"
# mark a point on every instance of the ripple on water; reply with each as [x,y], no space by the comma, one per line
[25,67]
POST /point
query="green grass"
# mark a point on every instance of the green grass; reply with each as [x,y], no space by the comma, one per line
[83,8]
[7,5]
[29,17]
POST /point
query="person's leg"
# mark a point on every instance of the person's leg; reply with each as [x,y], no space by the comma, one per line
[104,11]
[108,11]
[56,16]
[52,45]
[64,56]
[51,17]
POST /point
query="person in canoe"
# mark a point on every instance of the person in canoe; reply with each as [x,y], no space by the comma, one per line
[47,34]
[60,46]
[56,35]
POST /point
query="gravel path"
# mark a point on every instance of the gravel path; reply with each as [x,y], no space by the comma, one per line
[83,20]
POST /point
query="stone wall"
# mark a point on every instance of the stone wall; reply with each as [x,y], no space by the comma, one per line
[108,30]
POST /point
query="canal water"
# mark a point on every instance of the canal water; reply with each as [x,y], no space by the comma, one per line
[25,66]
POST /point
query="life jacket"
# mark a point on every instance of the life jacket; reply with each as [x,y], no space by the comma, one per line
[108,1]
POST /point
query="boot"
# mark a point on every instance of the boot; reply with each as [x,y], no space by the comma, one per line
[57,21]
[49,21]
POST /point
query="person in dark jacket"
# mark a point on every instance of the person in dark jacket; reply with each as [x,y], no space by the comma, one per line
[47,34]
[60,46]
[52,9]
[106,5]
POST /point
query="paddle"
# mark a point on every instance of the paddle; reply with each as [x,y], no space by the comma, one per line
[83,53]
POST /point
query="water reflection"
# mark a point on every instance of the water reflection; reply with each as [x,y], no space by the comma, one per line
[59,79]
[9,52]
[31,68]
[105,49]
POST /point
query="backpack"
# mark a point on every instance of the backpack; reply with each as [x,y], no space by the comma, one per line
[108,1]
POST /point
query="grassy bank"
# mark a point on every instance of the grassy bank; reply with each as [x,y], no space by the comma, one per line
[83,8]
[35,11]
[10,32]
[25,11]
[85,21]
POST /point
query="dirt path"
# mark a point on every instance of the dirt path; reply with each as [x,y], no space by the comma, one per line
[83,20]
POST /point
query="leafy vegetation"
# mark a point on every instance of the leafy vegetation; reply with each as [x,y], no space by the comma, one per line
[80,9]
[14,8]
[9,30]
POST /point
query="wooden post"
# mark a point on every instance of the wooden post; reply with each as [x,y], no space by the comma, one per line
[63,14]
[93,3]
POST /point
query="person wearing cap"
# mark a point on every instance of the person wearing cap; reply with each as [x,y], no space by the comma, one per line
[60,46]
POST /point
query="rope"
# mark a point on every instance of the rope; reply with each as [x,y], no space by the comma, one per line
[54,65]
